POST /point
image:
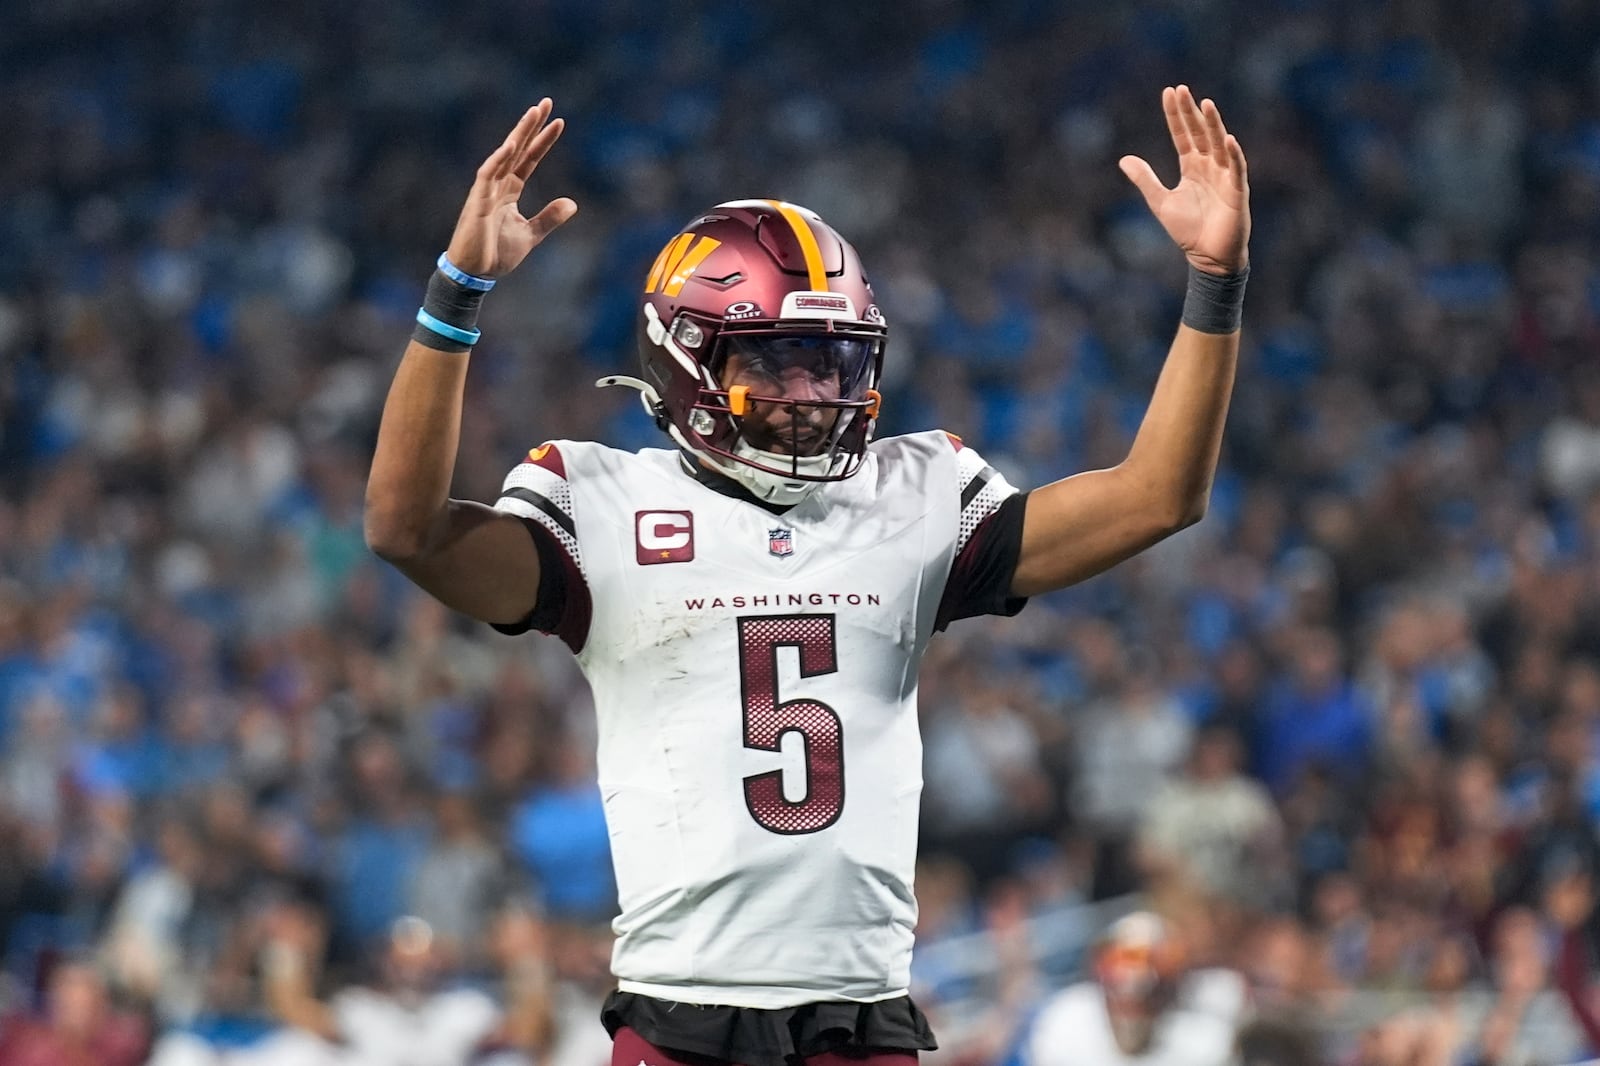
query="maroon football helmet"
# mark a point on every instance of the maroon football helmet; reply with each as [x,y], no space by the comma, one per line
[773,285]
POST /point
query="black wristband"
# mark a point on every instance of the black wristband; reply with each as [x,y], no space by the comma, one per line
[454,305]
[1215,302]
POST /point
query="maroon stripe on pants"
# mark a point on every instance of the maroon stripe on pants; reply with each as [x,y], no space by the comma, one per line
[628,1048]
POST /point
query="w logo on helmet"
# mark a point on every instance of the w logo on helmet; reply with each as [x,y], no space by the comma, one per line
[678,262]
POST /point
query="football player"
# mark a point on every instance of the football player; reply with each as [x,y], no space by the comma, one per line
[750,604]
[1140,1007]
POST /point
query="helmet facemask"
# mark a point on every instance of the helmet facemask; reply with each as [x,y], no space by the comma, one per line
[795,406]
[761,348]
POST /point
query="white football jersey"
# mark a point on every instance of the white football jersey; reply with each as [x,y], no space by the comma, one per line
[1074,1029]
[755,682]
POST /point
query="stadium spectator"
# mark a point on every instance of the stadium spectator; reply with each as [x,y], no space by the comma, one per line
[1216,829]
[407,1014]
[457,879]
[1127,745]
[78,1027]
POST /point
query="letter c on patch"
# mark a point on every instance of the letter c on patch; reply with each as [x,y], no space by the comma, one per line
[664,536]
[663,529]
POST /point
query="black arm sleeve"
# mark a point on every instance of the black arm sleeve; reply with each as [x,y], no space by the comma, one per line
[980,577]
[563,605]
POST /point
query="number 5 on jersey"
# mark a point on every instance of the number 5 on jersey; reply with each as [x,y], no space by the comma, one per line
[767,719]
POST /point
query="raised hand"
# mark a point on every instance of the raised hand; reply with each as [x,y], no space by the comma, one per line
[1208,213]
[492,236]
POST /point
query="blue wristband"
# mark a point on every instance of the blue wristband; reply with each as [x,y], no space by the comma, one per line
[469,337]
[461,277]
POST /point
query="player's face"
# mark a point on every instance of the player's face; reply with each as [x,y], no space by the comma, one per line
[1134,996]
[801,370]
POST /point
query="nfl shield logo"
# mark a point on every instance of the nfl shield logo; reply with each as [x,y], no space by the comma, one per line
[780,542]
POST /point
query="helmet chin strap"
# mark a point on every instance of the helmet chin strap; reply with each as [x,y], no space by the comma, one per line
[764,486]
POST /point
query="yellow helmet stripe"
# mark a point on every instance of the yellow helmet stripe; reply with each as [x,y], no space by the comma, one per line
[808,245]
[680,274]
[667,261]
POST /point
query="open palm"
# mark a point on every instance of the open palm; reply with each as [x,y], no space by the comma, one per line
[1208,212]
[492,236]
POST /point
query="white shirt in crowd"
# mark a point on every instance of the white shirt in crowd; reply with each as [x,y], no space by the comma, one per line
[1073,1028]
[445,1029]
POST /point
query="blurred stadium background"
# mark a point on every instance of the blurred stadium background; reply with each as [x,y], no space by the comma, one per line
[1343,734]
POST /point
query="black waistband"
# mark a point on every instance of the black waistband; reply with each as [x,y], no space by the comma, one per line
[770,1037]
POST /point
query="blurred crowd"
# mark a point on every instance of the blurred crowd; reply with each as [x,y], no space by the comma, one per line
[256,792]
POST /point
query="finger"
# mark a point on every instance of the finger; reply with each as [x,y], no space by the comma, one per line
[500,160]
[492,167]
[1241,173]
[1193,123]
[538,146]
[554,215]
[1144,179]
[1175,124]
[529,130]
[526,129]
[1216,135]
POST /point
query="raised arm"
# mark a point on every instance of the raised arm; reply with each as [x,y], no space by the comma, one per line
[471,557]
[1079,526]
[289,956]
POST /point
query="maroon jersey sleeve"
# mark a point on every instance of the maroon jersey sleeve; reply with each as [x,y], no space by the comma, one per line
[538,492]
[988,542]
